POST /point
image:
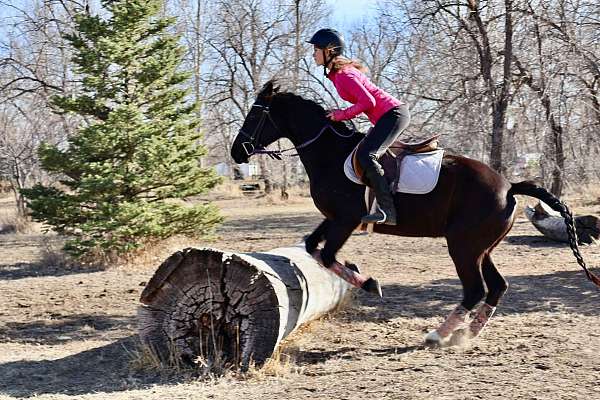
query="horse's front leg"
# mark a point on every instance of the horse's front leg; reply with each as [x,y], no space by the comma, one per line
[312,241]
[335,237]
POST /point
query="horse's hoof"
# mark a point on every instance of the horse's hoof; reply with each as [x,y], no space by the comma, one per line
[352,266]
[433,338]
[372,286]
[460,337]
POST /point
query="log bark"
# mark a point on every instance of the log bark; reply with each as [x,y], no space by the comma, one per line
[234,309]
[552,225]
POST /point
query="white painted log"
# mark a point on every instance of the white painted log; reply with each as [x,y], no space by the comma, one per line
[552,225]
[241,305]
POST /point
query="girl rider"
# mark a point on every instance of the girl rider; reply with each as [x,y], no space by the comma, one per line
[389,115]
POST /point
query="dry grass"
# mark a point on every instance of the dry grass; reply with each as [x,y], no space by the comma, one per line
[229,189]
[210,364]
[336,354]
[586,195]
[142,358]
[284,361]
[281,363]
[149,256]
[153,253]
[11,222]
[52,254]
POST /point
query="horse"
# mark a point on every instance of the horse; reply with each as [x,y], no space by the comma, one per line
[472,205]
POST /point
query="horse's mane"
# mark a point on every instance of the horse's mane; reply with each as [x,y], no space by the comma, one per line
[313,107]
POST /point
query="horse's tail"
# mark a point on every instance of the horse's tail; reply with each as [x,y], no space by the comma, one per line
[529,188]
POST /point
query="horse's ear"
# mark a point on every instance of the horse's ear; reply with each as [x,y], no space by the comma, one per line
[269,89]
[266,89]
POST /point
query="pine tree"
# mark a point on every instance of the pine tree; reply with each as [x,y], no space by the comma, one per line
[126,170]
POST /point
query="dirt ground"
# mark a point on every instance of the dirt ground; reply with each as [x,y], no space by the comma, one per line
[69,333]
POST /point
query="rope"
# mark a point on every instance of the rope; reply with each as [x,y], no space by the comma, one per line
[572,233]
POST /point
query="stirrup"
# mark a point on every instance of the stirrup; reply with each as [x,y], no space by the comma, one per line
[369,219]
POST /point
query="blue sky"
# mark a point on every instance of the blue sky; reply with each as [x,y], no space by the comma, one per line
[345,12]
[349,12]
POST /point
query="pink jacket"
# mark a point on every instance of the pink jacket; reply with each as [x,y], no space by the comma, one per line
[354,86]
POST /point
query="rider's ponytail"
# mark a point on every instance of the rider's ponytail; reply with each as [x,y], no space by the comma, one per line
[340,62]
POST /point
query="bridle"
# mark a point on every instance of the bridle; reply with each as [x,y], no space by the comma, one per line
[253,146]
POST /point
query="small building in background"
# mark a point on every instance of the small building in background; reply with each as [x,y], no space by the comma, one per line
[240,171]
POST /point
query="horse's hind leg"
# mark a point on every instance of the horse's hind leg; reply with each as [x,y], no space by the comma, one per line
[495,282]
[468,265]
[497,286]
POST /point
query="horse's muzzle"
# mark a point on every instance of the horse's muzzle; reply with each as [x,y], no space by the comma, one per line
[239,155]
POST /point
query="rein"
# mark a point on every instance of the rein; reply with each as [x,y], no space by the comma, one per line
[253,147]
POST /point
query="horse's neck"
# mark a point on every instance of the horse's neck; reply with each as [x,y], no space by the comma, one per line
[327,152]
[330,147]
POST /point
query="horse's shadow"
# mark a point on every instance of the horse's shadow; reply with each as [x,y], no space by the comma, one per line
[561,291]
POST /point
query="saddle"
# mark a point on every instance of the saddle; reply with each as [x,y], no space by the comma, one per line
[422,156]
[391,160]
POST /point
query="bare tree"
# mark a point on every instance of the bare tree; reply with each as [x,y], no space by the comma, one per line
[250,42]
[476,27]
[33,67]
[504,80]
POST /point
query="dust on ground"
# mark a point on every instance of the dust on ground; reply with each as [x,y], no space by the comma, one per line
[68,332]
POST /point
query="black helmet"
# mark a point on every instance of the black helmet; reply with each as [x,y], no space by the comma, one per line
[325,38]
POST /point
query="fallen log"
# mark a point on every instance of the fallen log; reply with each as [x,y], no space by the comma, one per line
[208,306]
[552,225]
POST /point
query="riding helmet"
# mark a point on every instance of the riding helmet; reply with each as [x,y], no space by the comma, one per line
[327,37]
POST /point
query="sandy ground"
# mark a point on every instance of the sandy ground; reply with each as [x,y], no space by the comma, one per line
[70,332]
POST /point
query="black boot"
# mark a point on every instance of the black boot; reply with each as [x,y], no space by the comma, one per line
[386,212]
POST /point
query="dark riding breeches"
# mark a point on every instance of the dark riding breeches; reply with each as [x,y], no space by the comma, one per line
[384,133]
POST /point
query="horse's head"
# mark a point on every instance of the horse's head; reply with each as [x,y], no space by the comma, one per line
[259,129]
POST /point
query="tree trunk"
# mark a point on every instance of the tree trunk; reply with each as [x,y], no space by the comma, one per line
[552,225]
[204,305]
[498,94]
[498,125]
[198,59]
[501,102]
[559,157]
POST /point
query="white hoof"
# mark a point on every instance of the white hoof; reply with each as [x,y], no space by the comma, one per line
[460,337]
[434,338]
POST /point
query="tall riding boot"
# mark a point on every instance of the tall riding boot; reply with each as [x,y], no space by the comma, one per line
[386,212]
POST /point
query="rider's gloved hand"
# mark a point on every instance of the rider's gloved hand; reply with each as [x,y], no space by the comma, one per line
[336,115]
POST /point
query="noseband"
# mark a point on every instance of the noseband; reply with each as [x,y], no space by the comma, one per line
[253,146]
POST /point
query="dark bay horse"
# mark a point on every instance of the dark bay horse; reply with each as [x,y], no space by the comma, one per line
[472,206]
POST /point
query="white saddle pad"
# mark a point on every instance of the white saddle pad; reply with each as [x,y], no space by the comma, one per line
[419,173]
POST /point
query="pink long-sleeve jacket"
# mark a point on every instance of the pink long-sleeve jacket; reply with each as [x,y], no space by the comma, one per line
[354,87]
